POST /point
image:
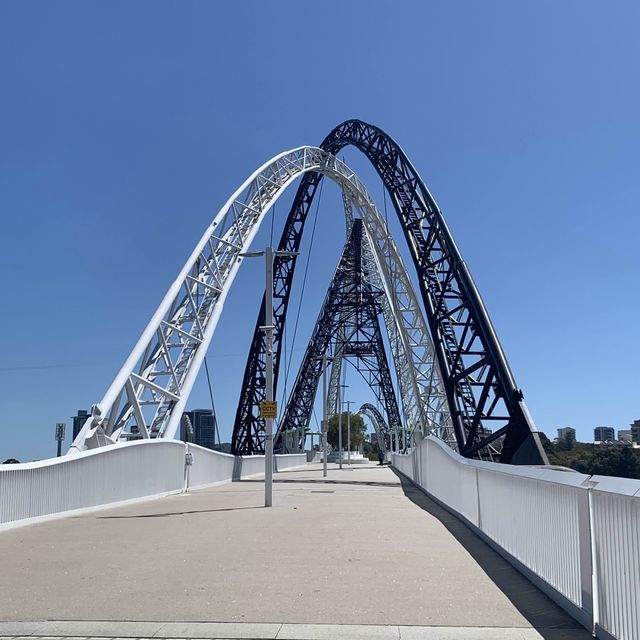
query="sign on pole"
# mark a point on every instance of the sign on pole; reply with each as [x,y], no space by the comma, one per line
[268,409]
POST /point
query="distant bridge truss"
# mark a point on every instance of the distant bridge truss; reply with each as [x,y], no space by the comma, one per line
[379,424]
[348,322]
[453,377]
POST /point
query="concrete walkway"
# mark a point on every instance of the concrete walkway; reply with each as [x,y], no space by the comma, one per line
[359,548]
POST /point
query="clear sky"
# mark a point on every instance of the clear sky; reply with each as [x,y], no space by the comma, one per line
[124,127]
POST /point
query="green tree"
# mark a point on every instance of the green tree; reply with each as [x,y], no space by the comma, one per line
[547,445]
[370,451]
[622,461]
[358,429]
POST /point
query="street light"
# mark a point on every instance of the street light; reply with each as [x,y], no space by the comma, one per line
[60,427]
[268,407]
[325,424]
[348,403]
[325,411]
[340,387]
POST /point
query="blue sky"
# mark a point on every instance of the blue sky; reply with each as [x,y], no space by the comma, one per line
[124,127]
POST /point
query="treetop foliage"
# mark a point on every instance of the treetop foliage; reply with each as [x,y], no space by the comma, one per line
[622,461]
[358,429]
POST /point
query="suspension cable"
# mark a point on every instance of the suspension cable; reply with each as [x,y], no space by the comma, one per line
[213,406]
[304,281]
[273,215]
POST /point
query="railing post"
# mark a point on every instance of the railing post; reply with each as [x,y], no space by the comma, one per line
[593,560]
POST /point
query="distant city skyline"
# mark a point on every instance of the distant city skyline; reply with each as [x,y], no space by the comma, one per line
[203,434]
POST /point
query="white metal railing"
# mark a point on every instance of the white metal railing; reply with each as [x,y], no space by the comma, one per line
[576,536]
[108,475]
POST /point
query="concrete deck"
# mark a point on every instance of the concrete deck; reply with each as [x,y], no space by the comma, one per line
[361,548]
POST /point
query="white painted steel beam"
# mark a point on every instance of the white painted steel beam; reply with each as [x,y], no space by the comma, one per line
[189,312]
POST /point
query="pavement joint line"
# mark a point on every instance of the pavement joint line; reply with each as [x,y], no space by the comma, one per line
[260,631]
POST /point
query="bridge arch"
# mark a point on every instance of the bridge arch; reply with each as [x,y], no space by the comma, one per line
[149,394]
[378,422]
[484,402]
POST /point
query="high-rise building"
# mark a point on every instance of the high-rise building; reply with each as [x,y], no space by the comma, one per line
[604,434]
[635,431]
[567,434]
[203,422]
[78,421]
[624,435]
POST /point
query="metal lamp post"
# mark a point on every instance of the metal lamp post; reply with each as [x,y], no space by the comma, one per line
[340,426]
[268,408]
[340,403]
[325,411]
[348,403]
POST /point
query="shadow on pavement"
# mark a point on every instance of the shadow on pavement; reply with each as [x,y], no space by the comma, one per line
[370,483]
[174,513]
[346,467]
[548,619]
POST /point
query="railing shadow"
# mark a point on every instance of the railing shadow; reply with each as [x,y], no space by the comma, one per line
[363,483]
[174,513]
[548,619]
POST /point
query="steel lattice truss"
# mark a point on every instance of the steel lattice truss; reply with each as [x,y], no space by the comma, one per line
[423,397]
[336,362]
[379,425]
[423,400]
[487,409]
[348,322]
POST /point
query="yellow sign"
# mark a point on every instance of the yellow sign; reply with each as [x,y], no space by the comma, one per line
[268,409]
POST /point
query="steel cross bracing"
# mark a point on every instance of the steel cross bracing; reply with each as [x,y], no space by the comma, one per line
[423,398]
[336,362]
[337,368]
[413,415]
[349,315]
[379,425]
[148,396]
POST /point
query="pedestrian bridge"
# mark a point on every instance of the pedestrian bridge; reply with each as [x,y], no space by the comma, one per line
[470,533]
[434,544]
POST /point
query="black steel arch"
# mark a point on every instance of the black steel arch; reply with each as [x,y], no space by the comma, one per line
[248,430]
[485,403]
[380,426]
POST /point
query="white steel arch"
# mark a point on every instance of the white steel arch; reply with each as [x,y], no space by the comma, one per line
[424,402]
[148,395]
[379,426]
[423,398]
